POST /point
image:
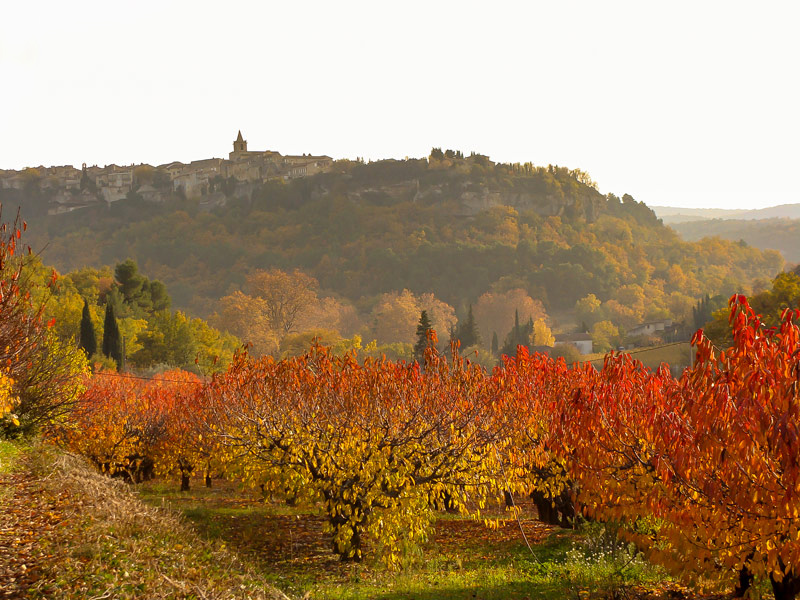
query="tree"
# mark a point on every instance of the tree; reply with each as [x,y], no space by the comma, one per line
[112,338]
[295,344]
[52,383]
[513,338]
[38,371]
[541,334]
[396,313]
[587,311]
[394,316]
[245,317]
[113,424]
[88,337]
[605,336]
[285,296]
[159,297]
[332,315]
[467,332]
[532,333]
[495,348]
[180,447]
[769,304]
[568,352]
[139,294]
[711,457]
[423,337]
[442,315]
[133,286]
[375,443]
[494,312]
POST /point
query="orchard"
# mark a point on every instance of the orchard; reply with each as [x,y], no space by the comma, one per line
[700,472]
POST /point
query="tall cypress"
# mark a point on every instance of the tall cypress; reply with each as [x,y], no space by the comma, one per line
[112,338]
[468,331]
[88,337]
[520,335]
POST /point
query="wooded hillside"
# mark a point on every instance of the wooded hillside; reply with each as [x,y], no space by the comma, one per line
[452,226]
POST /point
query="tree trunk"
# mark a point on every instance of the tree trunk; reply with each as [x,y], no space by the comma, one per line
[787,588]
[566,507]
[184,482]
[352,551]
[208,480]
[447,502]
[544,506]
[745,582]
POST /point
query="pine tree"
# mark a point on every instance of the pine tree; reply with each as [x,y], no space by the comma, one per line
[88,336]
[112,338]
[423,327]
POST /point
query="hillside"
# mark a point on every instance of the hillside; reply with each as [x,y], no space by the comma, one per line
[452,226]
[778,234]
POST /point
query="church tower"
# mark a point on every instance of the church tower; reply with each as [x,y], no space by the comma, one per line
[240,144]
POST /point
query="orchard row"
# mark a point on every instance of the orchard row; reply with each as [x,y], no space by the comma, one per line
[703,472]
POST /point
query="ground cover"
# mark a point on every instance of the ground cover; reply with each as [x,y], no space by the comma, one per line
[67,532]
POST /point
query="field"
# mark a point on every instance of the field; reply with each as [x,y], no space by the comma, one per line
[678,354]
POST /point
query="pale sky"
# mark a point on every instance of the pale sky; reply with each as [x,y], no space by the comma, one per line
[676,103]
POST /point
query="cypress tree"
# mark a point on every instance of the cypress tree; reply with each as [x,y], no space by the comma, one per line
[519,336]
[495,344]
[88,336]
[468,331]
[423,327]
[112,338]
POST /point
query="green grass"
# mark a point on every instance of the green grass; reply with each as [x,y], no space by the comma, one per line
[461,560]
[8,452]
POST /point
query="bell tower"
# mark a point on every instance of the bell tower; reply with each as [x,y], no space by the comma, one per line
[240,144]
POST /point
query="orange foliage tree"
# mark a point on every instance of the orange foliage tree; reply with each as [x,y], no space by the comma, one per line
[377,442]
[113,424]
[176,399]
[713,457]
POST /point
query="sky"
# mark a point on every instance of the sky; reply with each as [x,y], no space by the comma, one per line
[692,104]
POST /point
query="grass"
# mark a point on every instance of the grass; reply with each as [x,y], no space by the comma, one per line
[8,452]
[463,559]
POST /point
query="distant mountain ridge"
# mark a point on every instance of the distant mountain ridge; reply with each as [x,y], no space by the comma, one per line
[779,234]
[672,214]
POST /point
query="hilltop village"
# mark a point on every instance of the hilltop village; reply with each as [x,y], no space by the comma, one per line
[70,188]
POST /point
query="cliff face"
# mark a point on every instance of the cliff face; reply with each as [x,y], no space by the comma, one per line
[548,205]
[471,202]
[472,198]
